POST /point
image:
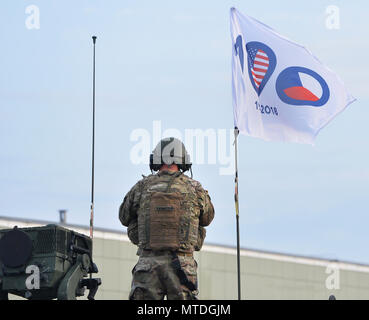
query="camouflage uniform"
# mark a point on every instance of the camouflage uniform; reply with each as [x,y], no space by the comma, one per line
[166,235]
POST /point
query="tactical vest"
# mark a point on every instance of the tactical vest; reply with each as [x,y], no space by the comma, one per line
[168,216]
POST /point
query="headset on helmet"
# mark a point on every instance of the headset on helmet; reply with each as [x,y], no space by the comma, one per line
[170,151]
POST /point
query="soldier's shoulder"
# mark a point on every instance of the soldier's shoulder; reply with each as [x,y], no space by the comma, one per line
[149,179]
[144,179]
[194,183]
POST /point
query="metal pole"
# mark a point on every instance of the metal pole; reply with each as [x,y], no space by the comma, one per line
[93,144]
[236,132]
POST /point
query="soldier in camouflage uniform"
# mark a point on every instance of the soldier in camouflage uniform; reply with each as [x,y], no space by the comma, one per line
[166,214]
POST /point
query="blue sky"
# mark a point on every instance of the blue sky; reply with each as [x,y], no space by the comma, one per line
[170,61]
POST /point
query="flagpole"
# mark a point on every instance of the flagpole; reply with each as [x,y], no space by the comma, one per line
[93,145]
[236,132]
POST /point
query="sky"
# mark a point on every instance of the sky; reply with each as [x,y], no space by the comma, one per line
[170,61]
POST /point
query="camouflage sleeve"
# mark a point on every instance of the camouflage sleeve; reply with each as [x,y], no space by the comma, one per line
[206,208]
[128,208]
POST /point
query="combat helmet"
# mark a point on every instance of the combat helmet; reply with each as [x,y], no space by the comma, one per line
[170,151]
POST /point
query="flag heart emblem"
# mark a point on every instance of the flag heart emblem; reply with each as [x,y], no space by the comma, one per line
[261,64]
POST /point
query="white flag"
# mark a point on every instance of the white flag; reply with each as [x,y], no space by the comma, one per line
[281,91]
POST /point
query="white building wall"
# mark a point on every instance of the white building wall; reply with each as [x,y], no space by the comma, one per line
[264,275]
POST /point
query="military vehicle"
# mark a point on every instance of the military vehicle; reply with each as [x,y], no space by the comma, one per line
[46,262]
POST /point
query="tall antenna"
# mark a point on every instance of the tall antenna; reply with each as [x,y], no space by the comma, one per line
[93,145]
